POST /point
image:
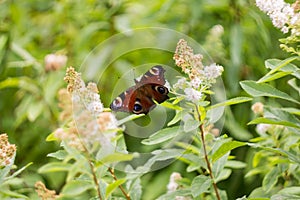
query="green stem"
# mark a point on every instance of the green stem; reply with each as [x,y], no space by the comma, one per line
[93,171]
[95,179]
[120,186]
[202,132]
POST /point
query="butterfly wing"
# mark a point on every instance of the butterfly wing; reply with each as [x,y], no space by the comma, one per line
[125,101]
[146,95]
[155,75]
[139,98]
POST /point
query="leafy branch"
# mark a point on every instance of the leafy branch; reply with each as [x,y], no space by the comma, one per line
[202,132]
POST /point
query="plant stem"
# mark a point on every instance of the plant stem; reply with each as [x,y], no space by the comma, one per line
[120,186]
[95,179]
[92,170]
[206,156]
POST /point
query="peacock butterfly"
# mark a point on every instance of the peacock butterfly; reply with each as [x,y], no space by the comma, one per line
[141,97]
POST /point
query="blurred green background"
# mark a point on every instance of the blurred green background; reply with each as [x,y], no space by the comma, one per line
[29,30]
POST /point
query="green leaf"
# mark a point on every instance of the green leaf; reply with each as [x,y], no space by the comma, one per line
[173,195]
[235,48]
[276,64]
[34,110]
[277,75]
[235,164]
[282,65]
[111,187]
[218,167]
[19,171]
[21,109]
[51,137]
[256,171]
[23,53]
[171,105]
[291,156]
[177,99]
[79,167]
[274,150]
[129,118]
[285,196]
[225,148]
[73,152]
[263,89]
[162,135]
[162,155]
[262,120]
[134,187]
[290,190]
[76,187]
[259,193]
[270,179]
[200,185]
[176,118]
[194,161]
[235,129]
[190,125]
[294,111]
[293,84]
[21,82]
[55,167]
[166,154]
[12,194]
[189,147]
[223,174]
[4,49]
[115,157]
[280,115]
[232,101]
[60,154]
[236,38]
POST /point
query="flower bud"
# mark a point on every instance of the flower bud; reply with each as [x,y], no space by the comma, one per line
[258,108]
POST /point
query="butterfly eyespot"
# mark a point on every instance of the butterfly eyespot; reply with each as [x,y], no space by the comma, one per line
[137,107]
[161,89]
[117,102]
[141,98]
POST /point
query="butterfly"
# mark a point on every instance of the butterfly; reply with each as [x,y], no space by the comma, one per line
[141,97]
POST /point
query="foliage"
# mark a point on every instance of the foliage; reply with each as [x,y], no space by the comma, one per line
[7,158]
[278,141]
[258,160]
[87,163]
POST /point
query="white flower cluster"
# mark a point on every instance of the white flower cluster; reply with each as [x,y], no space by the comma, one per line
[262,129]
[7,151]
[88,95]
[54,62]
[211,72]
[92,99]
[192,94]
[173,185]
[200,77]
[217,30]
[284,16]
[91,122]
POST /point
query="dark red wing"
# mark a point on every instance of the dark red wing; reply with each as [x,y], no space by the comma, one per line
[154,75]
[125,101]
[146,95]
[138,99]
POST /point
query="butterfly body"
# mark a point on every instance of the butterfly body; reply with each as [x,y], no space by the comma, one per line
[141,97]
